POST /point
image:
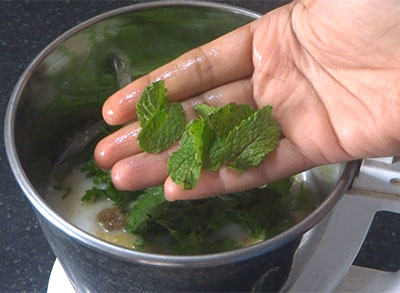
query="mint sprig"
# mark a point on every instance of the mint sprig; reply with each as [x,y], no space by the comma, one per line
[237,136]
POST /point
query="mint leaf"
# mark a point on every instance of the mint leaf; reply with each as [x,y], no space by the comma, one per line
[229,116]
[185,165]
[234,134]
[215,156]
[222,120]
[146,209]
[162,122]
[182,164]
[247,144]
[204,110]
[162,129]
[203,139]
[153,97]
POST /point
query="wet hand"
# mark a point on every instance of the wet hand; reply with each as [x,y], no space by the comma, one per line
[331,71]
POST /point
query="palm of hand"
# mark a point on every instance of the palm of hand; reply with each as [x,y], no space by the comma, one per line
[332,102]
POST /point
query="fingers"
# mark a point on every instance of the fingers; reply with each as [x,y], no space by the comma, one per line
[221,61]
[281,163]
[122,143]
[141,171]
[144,170]
[118,145]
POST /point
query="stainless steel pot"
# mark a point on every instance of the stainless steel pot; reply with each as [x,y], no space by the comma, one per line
[61,93]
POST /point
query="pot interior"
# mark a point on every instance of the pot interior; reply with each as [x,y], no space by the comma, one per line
[66,90]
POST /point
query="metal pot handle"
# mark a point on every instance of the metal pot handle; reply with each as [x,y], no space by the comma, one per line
[377,188]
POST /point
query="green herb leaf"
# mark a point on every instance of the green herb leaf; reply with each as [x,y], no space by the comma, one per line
[185,165]
[162,123]
[146,209]
[234,134]
[153,97]
[162,129]
[182,164]
[226,118]
[247,144]
[105,188]
[204,110]
[189,225]
[93,194]
[203,139]
[215,156]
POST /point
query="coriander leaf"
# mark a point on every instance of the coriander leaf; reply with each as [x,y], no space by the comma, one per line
[229,116]
[92,171]
[153,97]
[188,242]
[104,187]
[146,209]
[247,144]
[93,194]
[162,129]
[189,225]
[191,222]
[260,211]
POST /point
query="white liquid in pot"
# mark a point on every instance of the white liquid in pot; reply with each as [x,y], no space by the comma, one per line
[84,214]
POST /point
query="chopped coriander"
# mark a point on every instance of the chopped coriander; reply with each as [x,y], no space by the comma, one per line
[103,187]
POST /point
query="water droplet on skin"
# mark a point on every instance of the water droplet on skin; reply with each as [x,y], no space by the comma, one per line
[169,74]
[127,136]
[129,96]
[187,64]
[213,98]
[257,55]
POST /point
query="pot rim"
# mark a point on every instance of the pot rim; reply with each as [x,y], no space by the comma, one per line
[130,255]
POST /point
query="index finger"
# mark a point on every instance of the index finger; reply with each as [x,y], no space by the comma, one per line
[223,60]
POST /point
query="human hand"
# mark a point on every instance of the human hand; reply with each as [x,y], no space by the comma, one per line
[330,69]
